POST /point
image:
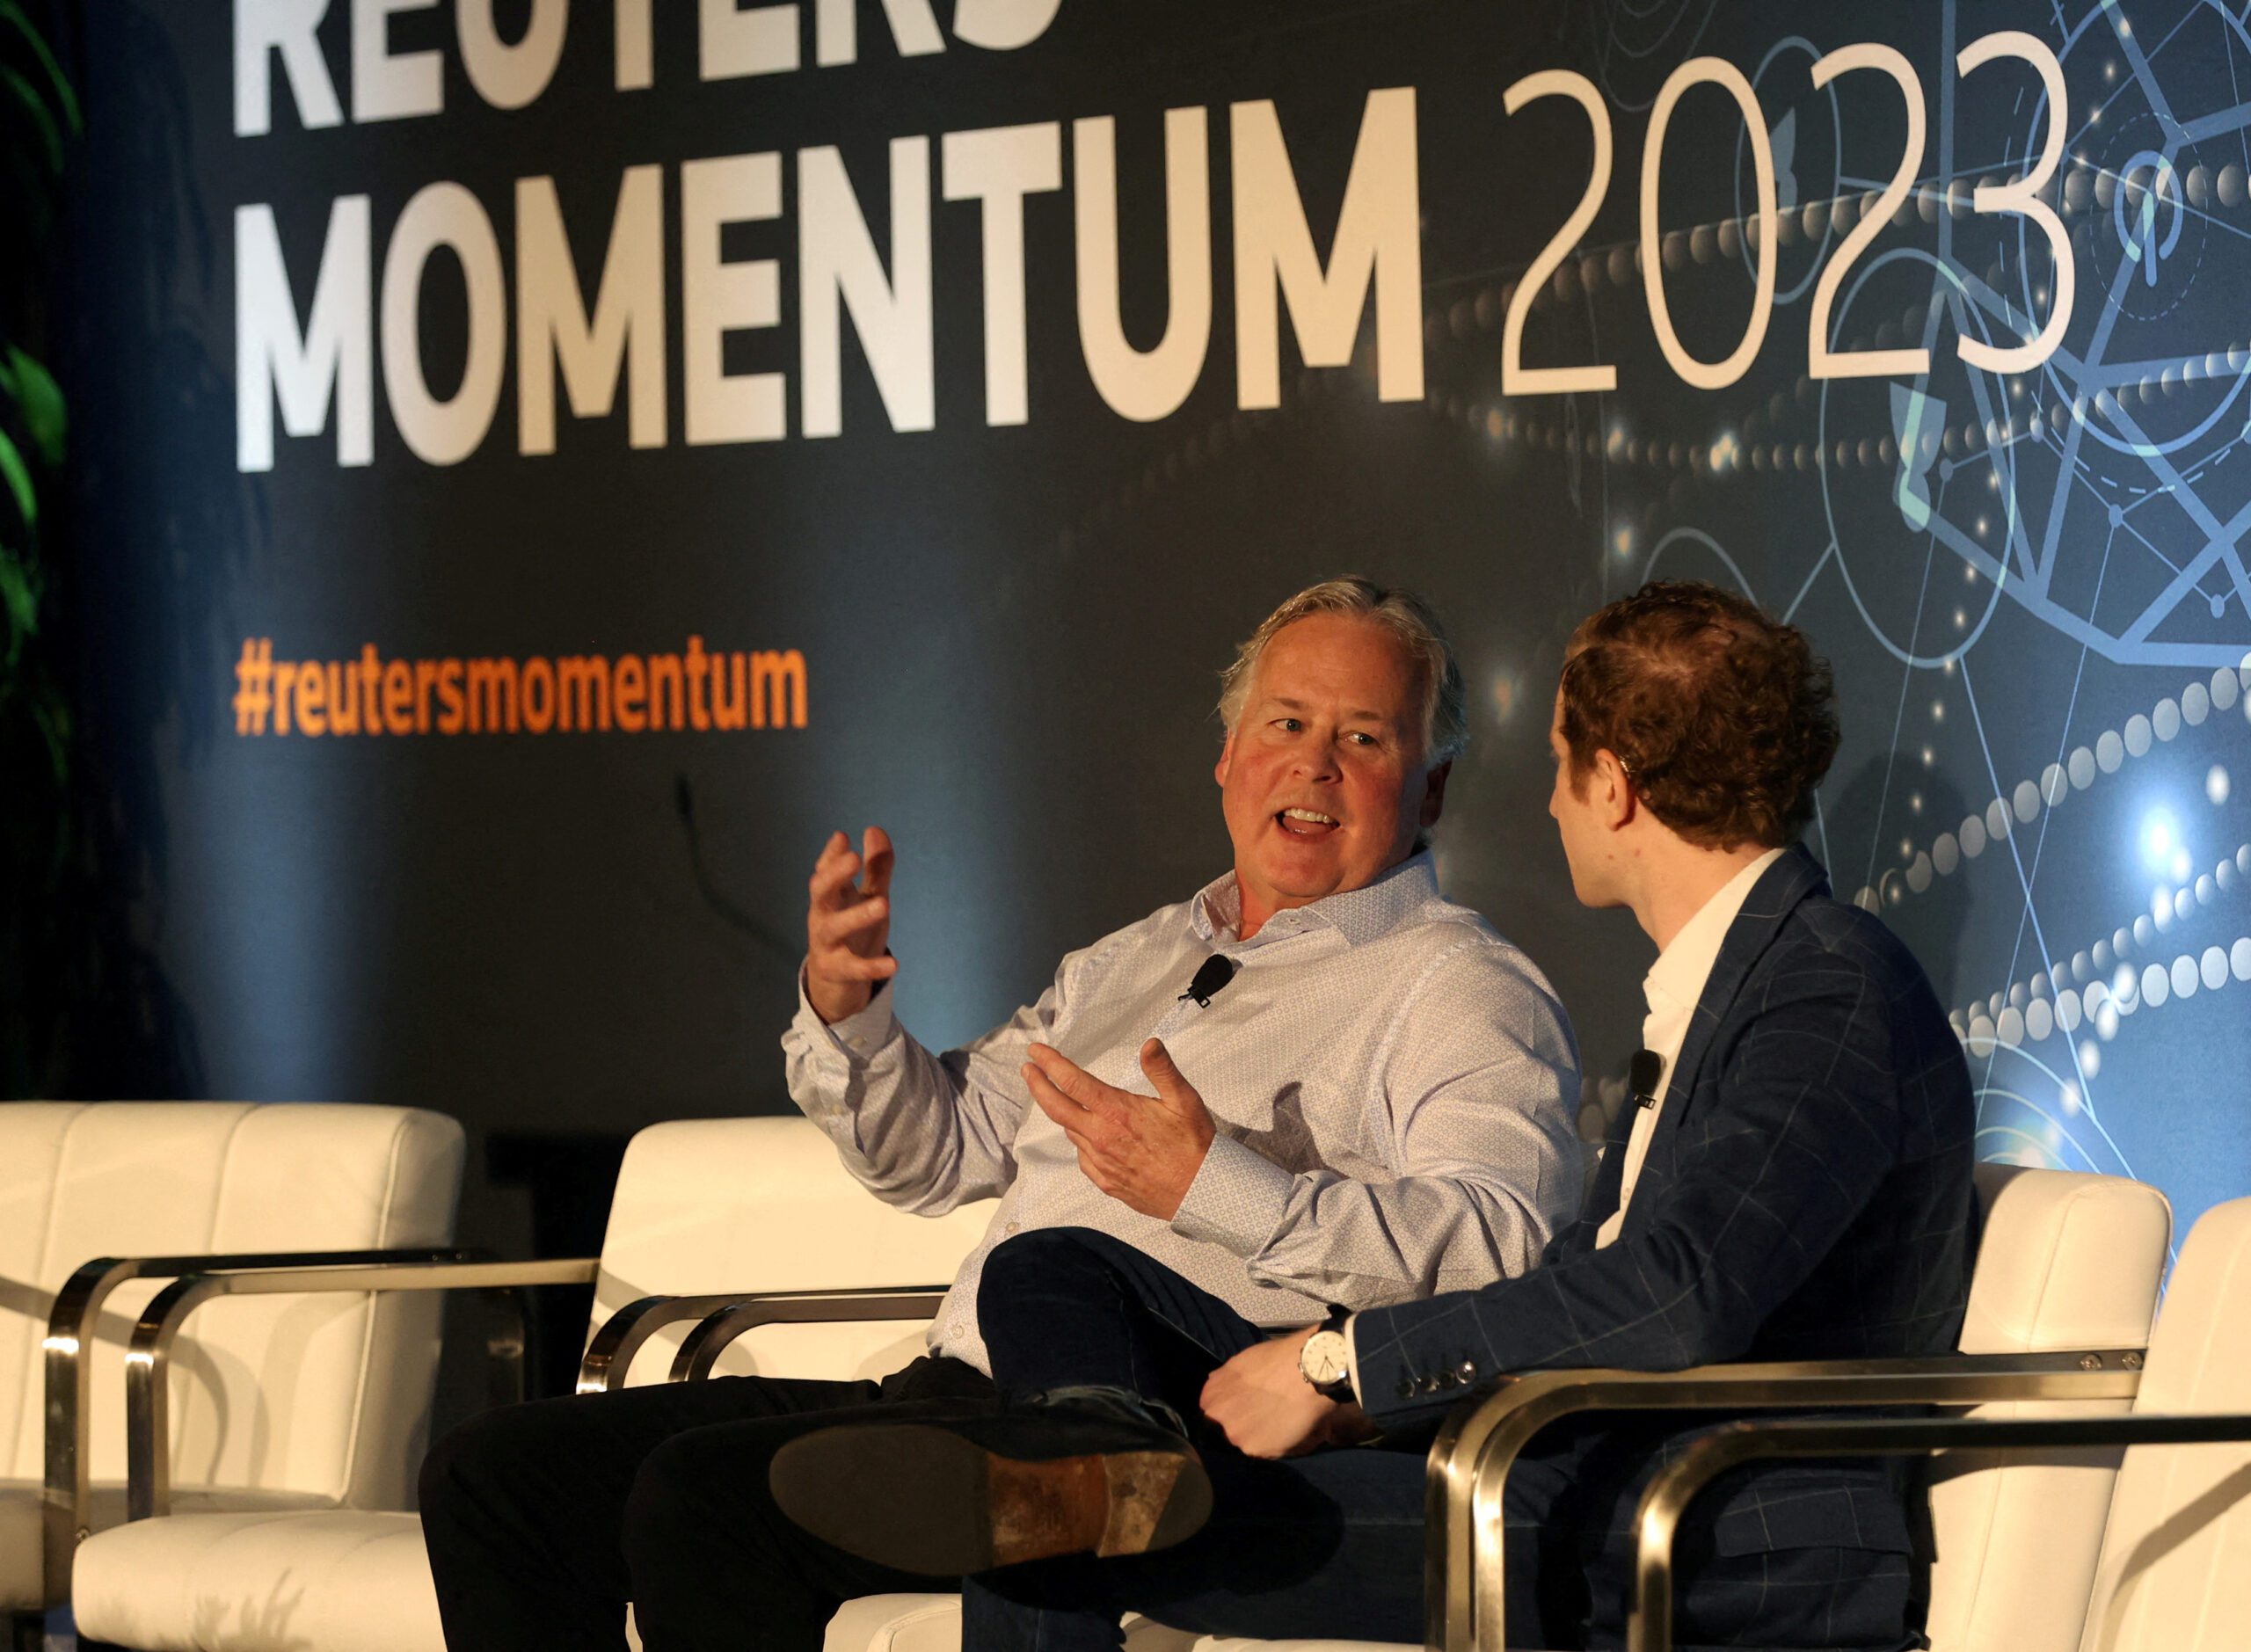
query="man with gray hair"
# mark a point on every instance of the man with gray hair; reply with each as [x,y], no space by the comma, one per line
[1315,1081]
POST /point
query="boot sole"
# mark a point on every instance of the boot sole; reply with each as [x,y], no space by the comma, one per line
[947,1507]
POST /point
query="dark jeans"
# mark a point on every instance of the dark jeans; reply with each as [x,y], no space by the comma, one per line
[543,1520]
[1324,1547]
[1330,1546]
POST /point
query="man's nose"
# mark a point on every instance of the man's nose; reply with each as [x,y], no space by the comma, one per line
[1317,759]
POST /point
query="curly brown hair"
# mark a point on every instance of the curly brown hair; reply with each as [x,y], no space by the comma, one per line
[1723,718]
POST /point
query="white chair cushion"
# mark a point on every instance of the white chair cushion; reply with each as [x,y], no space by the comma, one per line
[277,1401]
[340,1580]
[932,1623]
[2176,1558]
[702,1206]
[79,1181]
[21,1538]
[2067,1260]
[715,1205]
[21,1552]
[896,1623]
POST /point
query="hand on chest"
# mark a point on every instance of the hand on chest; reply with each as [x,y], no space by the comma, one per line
[1299,1099]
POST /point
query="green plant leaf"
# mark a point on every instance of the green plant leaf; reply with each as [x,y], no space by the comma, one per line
[20,480]
[42,117]
[44,414]
[19,597]
[12,14]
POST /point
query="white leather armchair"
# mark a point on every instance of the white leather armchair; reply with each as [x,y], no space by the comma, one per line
[2173,1573]
[706,1212]
[2069,1264]
[284,1402]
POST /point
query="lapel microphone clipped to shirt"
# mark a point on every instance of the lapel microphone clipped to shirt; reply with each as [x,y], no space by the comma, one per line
[1214,973]
[1645,1072]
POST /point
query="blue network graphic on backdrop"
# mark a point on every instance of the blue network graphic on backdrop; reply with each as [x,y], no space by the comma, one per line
[2031,575]
[2107,498]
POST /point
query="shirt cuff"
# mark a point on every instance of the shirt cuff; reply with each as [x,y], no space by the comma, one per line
[1353,1352]
[858,1036]
[1237,1199]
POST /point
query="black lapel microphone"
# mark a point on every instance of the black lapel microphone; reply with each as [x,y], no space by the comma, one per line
[1645,1072]
[1215,973]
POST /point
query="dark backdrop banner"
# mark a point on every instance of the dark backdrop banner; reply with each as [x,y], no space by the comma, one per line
[548,465]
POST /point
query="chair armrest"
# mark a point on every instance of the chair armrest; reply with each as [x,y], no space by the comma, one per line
[617,1339]
[727,1315]
[701,1348]
[148,1463]
[1650,1626]
[1464,1601]
[70,1331]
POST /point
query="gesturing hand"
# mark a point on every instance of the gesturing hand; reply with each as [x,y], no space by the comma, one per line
[1141,1150]
[848,925]
[1261,1399]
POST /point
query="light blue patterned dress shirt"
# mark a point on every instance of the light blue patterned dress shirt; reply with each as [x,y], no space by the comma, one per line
[1395,1087]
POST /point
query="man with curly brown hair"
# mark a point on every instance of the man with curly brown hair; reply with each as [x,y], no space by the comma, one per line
[1792,1183]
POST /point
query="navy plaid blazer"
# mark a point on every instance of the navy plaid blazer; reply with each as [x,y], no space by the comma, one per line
[1806,1195]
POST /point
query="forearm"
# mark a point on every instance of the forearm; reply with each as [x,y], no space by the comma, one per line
[910,1125]
[1362,1243]
[1726,1242]
[1641,1304]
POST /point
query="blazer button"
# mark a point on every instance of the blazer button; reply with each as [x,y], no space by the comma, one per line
[1431,1385]
[1406,1387]
[1467,1370]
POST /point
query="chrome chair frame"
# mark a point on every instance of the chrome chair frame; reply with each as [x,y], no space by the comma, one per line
[148,1360]
[724,1317]
[1469,1461]
[1465,1604]
[701,1346]
[1468,1464]
[1649,1628]
[70,1331]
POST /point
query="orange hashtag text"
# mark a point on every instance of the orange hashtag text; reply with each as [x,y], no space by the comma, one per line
[698,689]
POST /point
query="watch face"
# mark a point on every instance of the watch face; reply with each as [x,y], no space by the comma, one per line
[1323,1359]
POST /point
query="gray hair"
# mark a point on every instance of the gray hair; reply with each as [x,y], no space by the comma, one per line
[1446,722]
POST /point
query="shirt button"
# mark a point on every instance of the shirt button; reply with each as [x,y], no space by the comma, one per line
[859,1044]
[1015,1227]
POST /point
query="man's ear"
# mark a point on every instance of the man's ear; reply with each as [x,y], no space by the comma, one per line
[1434,794]
[1226,758]
[1619,802]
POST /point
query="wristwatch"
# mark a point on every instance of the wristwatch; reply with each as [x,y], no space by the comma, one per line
[1326,1360]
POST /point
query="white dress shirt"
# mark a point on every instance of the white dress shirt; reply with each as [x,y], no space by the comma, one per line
[1392,1082]
[1670,989]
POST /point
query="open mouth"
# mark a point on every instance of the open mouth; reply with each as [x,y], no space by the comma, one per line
[1305,823]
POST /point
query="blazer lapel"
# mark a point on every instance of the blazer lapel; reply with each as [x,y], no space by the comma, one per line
[1779,891]
[1609,1178]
